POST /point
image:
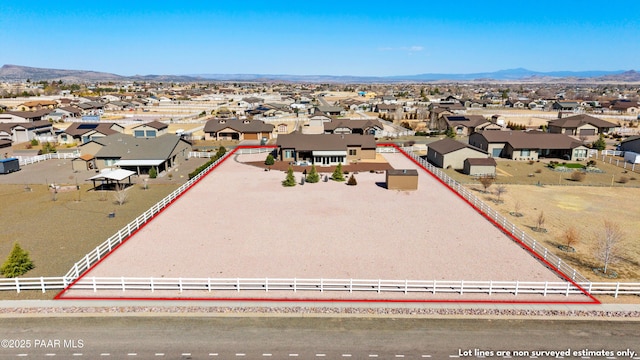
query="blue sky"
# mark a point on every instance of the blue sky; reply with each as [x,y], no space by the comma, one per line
[319,37]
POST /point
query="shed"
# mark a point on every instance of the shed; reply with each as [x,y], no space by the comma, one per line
[480,167]
[402,179]
[631,157]
[9,165]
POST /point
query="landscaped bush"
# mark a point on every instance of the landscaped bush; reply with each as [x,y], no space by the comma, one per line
[578,176]
[337,173]
[352,180]
[269,160]
[313,176]
[199,169]
[18,263]
[153,173]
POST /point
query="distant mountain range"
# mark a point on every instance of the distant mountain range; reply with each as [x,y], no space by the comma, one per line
[22,73]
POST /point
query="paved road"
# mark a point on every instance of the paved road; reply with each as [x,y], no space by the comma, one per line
[201,337]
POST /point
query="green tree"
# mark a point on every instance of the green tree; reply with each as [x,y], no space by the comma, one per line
[599,144]
[221,152]
[290,180]
[18,262]
[337,173]
[313,176]
[153,173]
[450,133]
[269,160]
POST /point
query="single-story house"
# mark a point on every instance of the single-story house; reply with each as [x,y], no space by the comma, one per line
[631,144]
[24,132]
[150,130]
[580,125]
[231,129]
[565,106]
[139,155]
[325,149]
[82,132]
[451,153]
[347,126]
[480,167]
[529,145]
[38,105]
[24,116]
[466,125]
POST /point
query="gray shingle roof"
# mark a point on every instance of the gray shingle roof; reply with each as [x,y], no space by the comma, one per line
[310,142]
[579,120]
[253,126]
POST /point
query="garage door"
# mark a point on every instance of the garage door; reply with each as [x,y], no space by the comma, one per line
[253,136]
[587,132]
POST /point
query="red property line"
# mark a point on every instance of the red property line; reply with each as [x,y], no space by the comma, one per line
[594,301]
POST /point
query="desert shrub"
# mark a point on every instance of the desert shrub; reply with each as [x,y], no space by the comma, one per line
[34,142]
[531,162]
[578,176]
[632,178]
[591,163]
[623,180]
[538,171]
[352,180]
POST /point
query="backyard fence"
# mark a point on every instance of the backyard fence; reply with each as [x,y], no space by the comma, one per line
[124,284]
[26,160]
[103,249]
[526,239]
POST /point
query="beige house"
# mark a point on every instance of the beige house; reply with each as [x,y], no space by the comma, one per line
[580,125]
[232,129]
[529,145]
[150,130]
[447,153]
[325,149]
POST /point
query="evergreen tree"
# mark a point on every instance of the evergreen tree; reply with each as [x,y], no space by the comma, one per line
[17,264]
[290,180]
[153,173]
[313,176]
[269,160]
[450,133]
[337,173]
[599,144]
[221,152]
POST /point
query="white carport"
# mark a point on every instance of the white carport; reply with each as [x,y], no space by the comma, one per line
[110,177]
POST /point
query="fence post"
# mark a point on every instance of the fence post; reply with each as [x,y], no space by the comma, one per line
[490,286]
[321,285]
[350,285]
[568,288]
[434,286]
[95,287]
[617,288]
[266,284]
[406,285]
[209,284]
[42,284]
[379,281]
[546,284]
[295,285]
[461,287]
[517,284]
[238,284]
[151,284]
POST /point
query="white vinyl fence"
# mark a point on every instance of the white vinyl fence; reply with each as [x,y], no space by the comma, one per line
[526,239]
[115,240]
[319,285]
[27,160]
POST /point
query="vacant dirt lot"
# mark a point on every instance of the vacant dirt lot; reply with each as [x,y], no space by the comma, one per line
[240,222]
[585,208]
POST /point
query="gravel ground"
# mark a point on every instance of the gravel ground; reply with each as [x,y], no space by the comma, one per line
[240,222]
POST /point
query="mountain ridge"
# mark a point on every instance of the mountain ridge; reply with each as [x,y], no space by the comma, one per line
[10,72]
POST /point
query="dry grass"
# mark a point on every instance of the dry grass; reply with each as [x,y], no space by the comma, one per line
[59,233]
[584,208]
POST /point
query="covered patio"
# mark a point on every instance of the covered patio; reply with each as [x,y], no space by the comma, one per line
[142,166]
